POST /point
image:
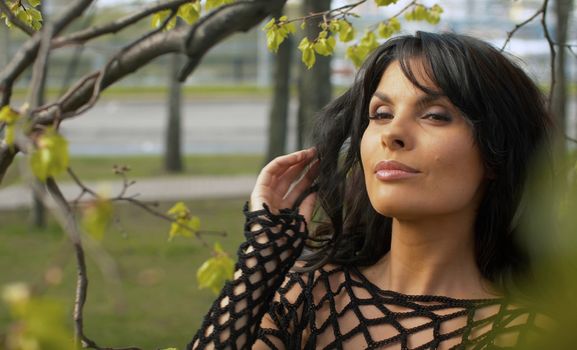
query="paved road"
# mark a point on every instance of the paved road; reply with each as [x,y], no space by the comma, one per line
[150,189]
[136,127]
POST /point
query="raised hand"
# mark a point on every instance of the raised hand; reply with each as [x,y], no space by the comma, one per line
[280,183]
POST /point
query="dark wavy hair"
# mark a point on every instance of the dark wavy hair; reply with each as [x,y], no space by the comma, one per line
[510,123]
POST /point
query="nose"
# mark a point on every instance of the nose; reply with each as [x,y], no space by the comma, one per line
[396,134]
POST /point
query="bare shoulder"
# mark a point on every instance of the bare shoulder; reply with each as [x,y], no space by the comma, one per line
[518,324]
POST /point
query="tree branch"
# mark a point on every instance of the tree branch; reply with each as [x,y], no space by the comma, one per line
[221,23]
[519,26]
[551,50]
[68,222]
[15,20]
[83,36]
[26,55]
[39,69]
[239,16]
[145,206]
[71,227]
[343,10]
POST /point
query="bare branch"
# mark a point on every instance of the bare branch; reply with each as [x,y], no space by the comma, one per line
[26,55]
[99,78]
[71,227]
[343,11]
[148,207]
[83,36]
[68,221]
[39,69]
[221,23]
[400,12]
[239,16]
[15,20]
[551,50]
[569,138]
[519,26]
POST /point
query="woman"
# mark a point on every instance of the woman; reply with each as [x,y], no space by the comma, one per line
[420,168]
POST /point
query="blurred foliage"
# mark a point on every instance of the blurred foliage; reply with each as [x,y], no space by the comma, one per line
[97,215]
[25,11]
[184,224]
[216,270]
[50,156]
[159,302]
[9,116]
[335,23]
[549,226]
[189,13]
[38,323]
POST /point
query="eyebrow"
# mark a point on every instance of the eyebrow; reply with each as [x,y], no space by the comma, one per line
[422,102]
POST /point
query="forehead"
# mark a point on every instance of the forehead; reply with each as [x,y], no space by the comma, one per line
[412,79]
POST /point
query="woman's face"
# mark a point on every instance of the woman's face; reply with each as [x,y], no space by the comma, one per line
[418,152]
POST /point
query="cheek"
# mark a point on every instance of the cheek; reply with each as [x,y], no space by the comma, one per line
[365,149]
[459,168]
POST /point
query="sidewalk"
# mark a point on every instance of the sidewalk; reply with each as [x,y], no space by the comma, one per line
[148,189]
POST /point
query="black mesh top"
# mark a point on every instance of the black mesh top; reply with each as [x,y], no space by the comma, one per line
[337,307]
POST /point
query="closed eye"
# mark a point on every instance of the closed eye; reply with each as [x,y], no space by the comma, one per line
[438,117]
[380,116]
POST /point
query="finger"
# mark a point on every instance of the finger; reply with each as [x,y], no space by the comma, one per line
[278,166]
[294,173]
[266,189]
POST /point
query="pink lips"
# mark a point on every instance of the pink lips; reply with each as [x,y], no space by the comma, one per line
[392,170]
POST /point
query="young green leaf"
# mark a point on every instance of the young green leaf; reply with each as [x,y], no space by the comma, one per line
[34,3]
[50,156]
[211,4]
[277,31]
[96,217]
[433,15]
[324,46]
[158,18]
[184,223]
[385,2]
[36,18]
[346,31]
[215,271]
[189,12]
[369,40]
[356,54]
[308,53]
[386,30]
[8,115]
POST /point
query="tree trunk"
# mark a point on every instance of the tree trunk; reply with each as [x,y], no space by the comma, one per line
[315,89]
[559,102]
[172,145]
[278,115]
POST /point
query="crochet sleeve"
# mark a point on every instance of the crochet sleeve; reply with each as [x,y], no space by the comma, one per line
[273,243]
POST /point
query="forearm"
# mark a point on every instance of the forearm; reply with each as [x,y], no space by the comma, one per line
[273,243]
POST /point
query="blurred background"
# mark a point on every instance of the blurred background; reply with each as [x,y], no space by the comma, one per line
[202,142]
[226,101]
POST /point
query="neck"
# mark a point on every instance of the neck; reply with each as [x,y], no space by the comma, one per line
[433,257]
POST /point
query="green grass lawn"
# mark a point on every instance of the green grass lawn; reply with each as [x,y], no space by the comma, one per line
[158,305]
[100,168]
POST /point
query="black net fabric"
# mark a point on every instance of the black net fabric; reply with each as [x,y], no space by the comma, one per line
[267,306]
[273,242]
